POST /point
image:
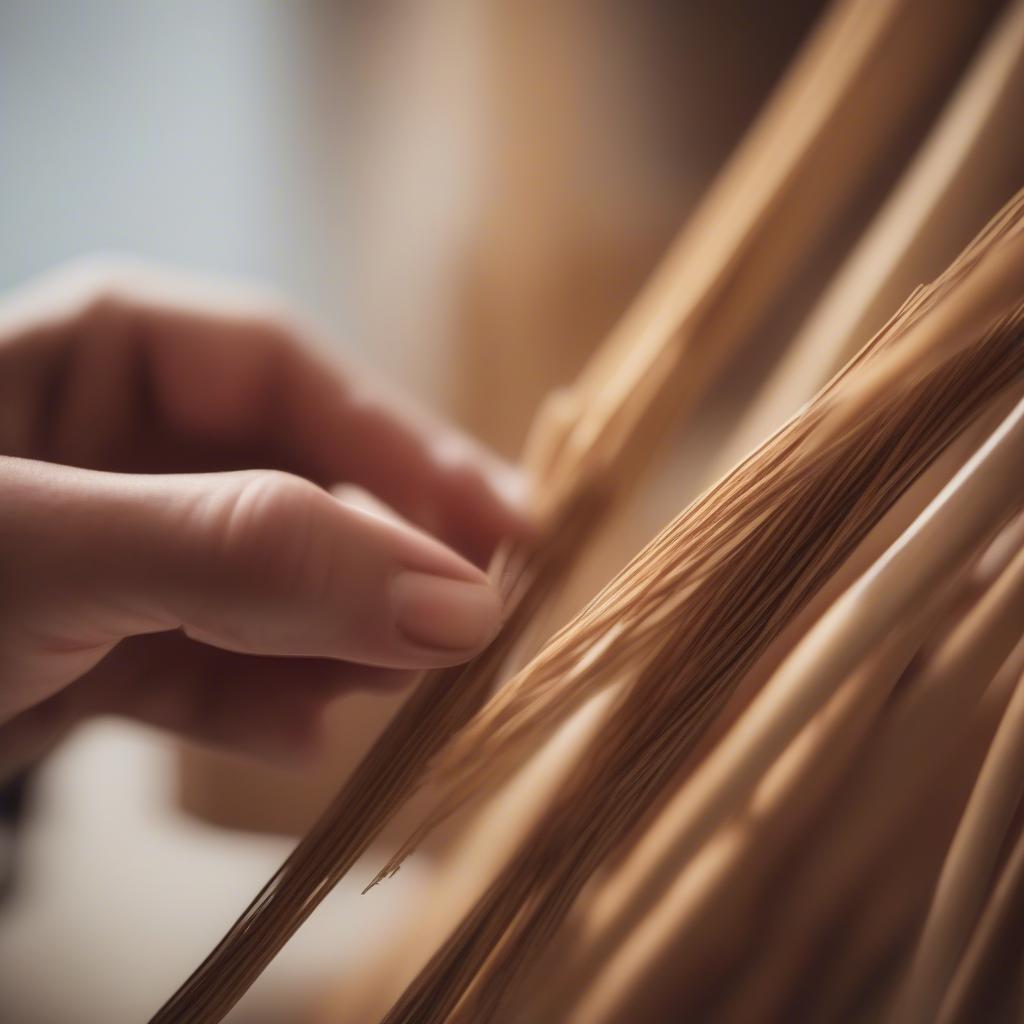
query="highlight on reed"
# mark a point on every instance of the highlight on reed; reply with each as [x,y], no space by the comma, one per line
[773,770]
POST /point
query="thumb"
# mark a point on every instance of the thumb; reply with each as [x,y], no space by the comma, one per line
[257,562]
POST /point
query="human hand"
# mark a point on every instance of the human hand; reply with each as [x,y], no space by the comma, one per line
[168,549]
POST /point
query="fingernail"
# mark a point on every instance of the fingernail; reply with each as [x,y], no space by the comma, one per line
[445,614]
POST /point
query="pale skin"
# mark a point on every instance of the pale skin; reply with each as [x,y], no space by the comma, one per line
[170,546]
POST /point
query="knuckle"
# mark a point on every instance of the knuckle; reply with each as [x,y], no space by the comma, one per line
[265,503]
[103,288]
[270,529]
[98,295]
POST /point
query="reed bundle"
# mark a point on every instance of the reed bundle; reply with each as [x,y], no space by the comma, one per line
[803,694]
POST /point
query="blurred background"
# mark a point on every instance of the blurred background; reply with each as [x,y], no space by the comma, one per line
[466,193]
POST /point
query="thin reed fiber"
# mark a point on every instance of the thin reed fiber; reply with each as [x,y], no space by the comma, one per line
[686,620]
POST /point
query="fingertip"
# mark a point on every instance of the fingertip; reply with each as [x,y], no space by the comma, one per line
[277,566]
[448,619]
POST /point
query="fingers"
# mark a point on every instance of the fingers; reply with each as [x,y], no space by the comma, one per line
[234,379]
[260,382]
[254,562]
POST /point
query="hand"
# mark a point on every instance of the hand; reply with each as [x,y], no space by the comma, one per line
[168,547]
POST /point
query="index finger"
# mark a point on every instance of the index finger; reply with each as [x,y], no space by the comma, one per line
[230,367]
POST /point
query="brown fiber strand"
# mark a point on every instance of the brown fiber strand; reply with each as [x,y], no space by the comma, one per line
[956,181]
[609,915]
[920,747]
[833,882]
[642,891]
[733,534]
[995,286]
[966,875]
[630,945]
[965,1000]
[750,236]
[747,753]
[694,611]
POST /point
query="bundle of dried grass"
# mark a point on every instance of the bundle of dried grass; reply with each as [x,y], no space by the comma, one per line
[772,656]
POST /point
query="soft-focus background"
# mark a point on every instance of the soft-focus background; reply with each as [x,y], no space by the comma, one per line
[466,193]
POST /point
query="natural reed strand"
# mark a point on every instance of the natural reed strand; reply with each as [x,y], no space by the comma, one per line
[687,619]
